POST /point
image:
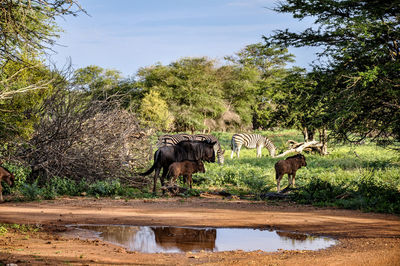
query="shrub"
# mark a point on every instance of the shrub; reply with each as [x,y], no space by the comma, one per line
[30,191]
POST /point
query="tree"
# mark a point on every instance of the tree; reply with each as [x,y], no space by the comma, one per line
[154,111]
[30,25]
[240,84]
[270,63]
[361,62]
[27,30]
[190,87]
[97,82]
[22,90]
[298,103]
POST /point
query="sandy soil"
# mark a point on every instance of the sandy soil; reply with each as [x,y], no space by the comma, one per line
[364,238]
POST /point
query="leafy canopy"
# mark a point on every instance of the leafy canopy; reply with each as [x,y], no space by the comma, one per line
[360,62]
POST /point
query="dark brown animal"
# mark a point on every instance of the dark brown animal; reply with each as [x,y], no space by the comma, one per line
[185,150]
[7,177]
[185,169]
[185,239]
[289,166]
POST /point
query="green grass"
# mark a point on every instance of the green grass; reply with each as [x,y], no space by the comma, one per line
[365,177]
[22,228]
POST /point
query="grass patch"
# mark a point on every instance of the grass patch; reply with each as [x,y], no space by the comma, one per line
[364,177]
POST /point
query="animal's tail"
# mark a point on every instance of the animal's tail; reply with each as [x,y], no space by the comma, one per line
[152,167]
[148,171]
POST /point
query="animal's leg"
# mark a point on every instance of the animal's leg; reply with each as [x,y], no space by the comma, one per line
[164,175]
[289,176]
[234,150]
[238,151]
[293,179]
[156,173]
[278,182]
[189,177]
[259,151]
[1,192]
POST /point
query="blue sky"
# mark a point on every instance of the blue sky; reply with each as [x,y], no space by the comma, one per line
[128,34]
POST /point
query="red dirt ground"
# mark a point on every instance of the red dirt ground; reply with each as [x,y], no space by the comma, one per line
[364,238]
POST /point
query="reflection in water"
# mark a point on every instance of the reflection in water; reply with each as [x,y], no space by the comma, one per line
[185,239]
[182,239]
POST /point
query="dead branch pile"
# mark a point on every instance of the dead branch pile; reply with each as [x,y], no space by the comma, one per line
[95,140]
[310,146]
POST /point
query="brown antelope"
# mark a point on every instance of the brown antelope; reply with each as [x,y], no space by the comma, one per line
[7,177]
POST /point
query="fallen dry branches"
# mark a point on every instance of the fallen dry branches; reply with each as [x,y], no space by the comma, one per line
[79,138]
[302,146]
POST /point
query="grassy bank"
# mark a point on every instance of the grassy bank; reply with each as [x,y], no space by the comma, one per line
[365,177]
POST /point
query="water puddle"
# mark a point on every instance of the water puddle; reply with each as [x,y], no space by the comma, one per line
[165,239]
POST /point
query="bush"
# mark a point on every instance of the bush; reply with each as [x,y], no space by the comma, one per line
[30,191]
[368,193]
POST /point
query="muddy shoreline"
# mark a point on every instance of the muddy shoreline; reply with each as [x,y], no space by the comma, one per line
[364,238]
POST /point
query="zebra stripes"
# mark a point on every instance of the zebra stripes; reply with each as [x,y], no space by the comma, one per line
[170,140]
[251,141]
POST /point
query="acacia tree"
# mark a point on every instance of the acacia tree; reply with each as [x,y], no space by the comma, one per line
[190,87]
[270,64]
[17,115]
[27,30]
[154,112]
[240,84]
[361,62]
[30,25]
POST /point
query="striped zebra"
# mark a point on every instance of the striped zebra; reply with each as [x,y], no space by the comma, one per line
[170,140]
[251,141]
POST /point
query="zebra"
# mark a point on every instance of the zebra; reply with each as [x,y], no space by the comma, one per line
[170,140]
[251,141]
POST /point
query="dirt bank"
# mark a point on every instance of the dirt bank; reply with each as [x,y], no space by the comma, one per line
[364,238]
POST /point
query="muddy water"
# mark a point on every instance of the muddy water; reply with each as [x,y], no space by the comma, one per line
[152,239]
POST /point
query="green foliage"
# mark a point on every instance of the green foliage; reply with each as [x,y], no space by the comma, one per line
[262,69]
[268,60]
[106,188]
[30,192]
[27,30]
[364,177]
[240,84]
[23,228]
[20,174]
[58,186]
[3,229]
[22,91]
[368,193]
[358,80]
[154,111]
[185,85]
[97,82]
[196,89]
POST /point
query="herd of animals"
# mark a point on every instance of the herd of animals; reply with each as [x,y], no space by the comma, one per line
[183,155]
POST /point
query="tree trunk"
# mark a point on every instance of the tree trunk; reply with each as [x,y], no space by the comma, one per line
[308,134]
[323,138]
